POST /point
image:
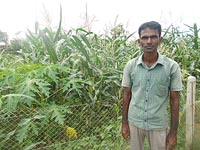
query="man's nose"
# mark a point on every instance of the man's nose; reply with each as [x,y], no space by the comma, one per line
[149,40]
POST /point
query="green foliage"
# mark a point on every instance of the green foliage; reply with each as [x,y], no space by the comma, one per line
[52,69]
[184,48]
[26,132]
[110,138]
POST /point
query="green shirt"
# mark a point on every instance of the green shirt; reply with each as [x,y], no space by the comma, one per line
[150,91]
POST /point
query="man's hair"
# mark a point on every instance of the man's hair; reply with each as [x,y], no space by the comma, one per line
[152,25]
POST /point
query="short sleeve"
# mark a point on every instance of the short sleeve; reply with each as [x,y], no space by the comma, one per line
[126,79]
[176,79]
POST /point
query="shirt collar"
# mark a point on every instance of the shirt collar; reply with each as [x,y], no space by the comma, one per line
[159,61]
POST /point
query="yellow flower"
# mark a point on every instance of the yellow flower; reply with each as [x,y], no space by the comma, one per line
[71,133]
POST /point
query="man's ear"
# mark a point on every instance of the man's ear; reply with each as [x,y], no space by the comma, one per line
[138,41]
[161,38]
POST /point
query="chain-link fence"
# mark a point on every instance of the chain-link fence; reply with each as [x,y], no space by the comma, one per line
[86,125]
[96,123]
[84,122]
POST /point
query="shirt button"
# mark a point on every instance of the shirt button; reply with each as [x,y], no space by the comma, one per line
[145,120]
[146,100]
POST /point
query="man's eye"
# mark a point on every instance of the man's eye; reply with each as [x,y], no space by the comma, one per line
[145,38]
[153,37]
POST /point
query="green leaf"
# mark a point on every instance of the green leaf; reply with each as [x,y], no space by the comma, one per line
[51,72]
[30,147]
[39,116]
[28,87]
[18,95]
[22,132]
[25,122]
[77,42]
[43,87]
[57,115]
[50,47]
[25,128]
[12,100]
[59,27]
[84,38]
[9,135]
[10,103]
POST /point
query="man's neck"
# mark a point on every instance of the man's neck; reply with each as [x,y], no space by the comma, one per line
[150,58]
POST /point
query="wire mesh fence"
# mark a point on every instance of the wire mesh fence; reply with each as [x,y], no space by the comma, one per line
[84,122]
[85,127]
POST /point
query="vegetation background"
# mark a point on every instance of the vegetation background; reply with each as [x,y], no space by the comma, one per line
[61,89]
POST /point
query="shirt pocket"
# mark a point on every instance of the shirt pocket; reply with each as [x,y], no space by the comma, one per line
[163,87]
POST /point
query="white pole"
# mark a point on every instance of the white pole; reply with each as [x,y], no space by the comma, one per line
[190,111]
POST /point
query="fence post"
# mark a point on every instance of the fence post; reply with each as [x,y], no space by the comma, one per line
[190,111]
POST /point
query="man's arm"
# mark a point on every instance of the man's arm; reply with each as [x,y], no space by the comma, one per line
[171,140]
[126,101]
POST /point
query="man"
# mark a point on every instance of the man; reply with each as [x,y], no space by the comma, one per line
[150,81]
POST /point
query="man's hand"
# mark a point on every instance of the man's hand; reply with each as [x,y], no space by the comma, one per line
[171,141]
[125,131]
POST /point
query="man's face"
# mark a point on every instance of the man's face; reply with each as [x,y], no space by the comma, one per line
[149,40]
